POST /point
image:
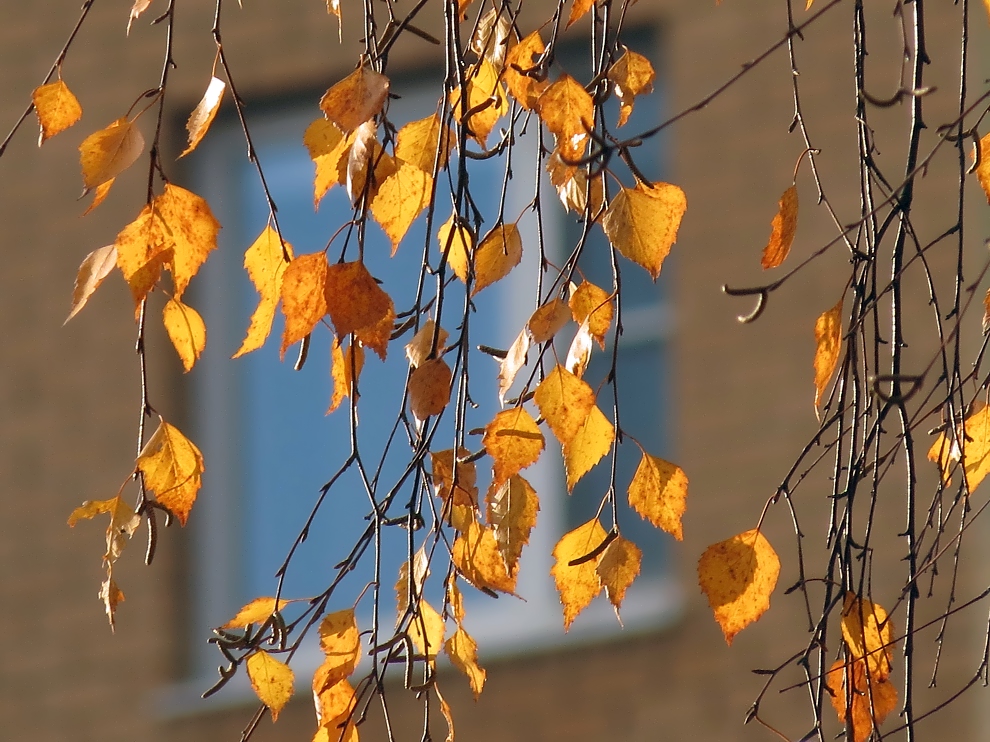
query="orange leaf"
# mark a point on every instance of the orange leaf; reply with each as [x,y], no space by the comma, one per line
[568,111]
[95,267]
[257,611]
[477,556]
[514,441]
[738,575]
[341,643]
[123,522]
[642,223]
[828,338]
[632,74]
[328,148]
[193,230]
[578,10]
[303,300]
[548,320]
[565,401]
[512,510]
[429,388]
[579,584]
[335,706]
[173,469]
[107,153]
[782,231]
[271,679]
[99,195]
[419,143]
[56,107]
[498,253]
[345,369]
[420,348]
[873,698]
[983,169]
[356,98]
[265,264]
[868,633]
[590,302]
[456,244]
[444,471]
[974,453]
[463,652]
[401,197]
[591,442]
[525,89]
[617,567]
[486,102]
[658,492]
[186,330]
[356,302]
[204,113]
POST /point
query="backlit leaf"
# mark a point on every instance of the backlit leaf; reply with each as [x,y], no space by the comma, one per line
[512,510]
[271,679]
[421,347]
[444,706]
[632,74]
[579,584]
[107,153]
[514,360]
[477,556]
[464,490]
[186,330]
[335,707]
[514,441]
[257,611]
[579,352]
[56,107]
[568,112]
[617,567]
[738,575]
[783,228]
[572,188]
[590,302]
[356,303]
[328,146]
[378,335]
[303,300]
[463,653]
[486,101]
[419,142]
[123,522]
[456,243]
[548,320]
[356,98]
[658,492]
[95,267]
[400,199]
[429,388]
[366,155]
[345,369]
[496,255]
[868,633]
[341,643]
[143,248]
[869,695]
[265,264]
[578,10]
[203,114]
[983,169]
[642,222]
[525,89]
[193,229]
[426,630]
[99,195]
[828,344]
[173,469]
[565,401]
[491,36]
[974,451]
[589,445]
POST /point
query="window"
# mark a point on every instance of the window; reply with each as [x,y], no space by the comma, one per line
[269,447]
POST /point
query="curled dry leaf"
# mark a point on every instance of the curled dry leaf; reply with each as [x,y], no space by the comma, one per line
[421,347]
[565,401]
[95,267]
[203,114]
[173,469]
[642,223]
[136,10]
[518,63]
[589,445]
[492,35]
[783,229]
[632,74]
[658,492]
[429,388]
[515,359]
[107,153]
[983,169]
[579,584]
[579,352]
[271,679]
[186,330]
[828,337]
[257,611]
[738,576]
[265,263]
[355,99]
[548,320]
[496,255]
[57,109]
[303,300]
[463,653]
[971,446]
[514,441]
[345,369]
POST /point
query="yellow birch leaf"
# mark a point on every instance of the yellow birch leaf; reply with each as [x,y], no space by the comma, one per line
[203,114]
[107,153]
[327,146]
[591,442]
[572,188]
[419,143]
[257,611]
[456,244]
[873,698]
[983,169]
[186,330]
[578,10]
[356,98]
[548,320]
[486,101]
[782,230]
[455,600]
[100,194]
[565,401]
[335,706]
[426,630]
[303,300]
[496,255]
[345,369]
[444,706]
[90,509]
[265,264]
[355,301]
[271,679]
[378,335]
[429,388]
[632,74]
[420,348]
[868,633]
[57,109]
[658,492]
[975,453]
[193,231]
[579,352]
[478,558]
[421,570]
[578,585]
[366,155]
[810,2]
[463,653]
[986,306]
[512,510]
[514,441]
[568,112]
[123,522]
[95,267]
[828,345]
[642,222]
[111,596]
[617,567]
[137,9]
[400,199]
[454,481]
[589,302]
[738,575]
[525,89]
[341,643]
[514,360]
[173,469]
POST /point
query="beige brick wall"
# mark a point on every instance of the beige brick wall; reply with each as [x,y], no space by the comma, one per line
[69,396]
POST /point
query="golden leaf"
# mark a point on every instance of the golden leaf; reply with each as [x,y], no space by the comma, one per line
[514,441]
[257,611]
[632,74]
[514,360]
[99,195]
[123,522]
[345,369]
[271,679]
[828,344]
[193,230]
[568,112]
[173,469]
[868,633]
[419,143]
[983,169]
[589,302]
[378,335]
[868,694]
[356,303]
[265,264]
[429,388]
[496,255]
[579,352]
[463,654]
[573,186]
[328,148]
[658,492]
[57,109]
[366,154]
[579,584]
[455,600]
[204,113]
[477,556]
[578,10]
[426,630]
[975,451]
[107,153]
[456,244]
[454,481]
[95,267]
[341,643]
[642,222]
[782,232]
[335,706]
[486,101]
[303,300]
[548,320]
[565,401]
[143,248]
[186,330]
[591,442]
[512,510]
[421,570]
[738,575]
[355,99]
[444,706]
[400,199]
[525,89]
[420,348]
[618,567]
